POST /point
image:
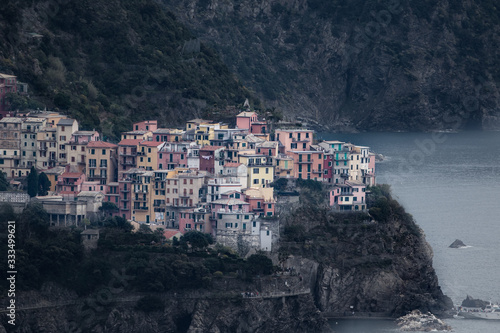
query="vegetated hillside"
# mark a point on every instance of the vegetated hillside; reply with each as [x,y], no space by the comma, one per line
[365,65]
[113,62]
[377,263]
[135,282]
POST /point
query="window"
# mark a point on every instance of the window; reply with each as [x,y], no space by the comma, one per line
[269,206]
[255,181]
[267,170]
[256,170]
[92,151]
[104,151]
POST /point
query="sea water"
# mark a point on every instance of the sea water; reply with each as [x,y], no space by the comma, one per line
[450,183]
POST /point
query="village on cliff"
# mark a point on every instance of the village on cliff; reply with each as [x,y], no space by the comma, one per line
[205,177]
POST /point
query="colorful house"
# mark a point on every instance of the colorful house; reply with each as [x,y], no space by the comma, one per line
[350,196]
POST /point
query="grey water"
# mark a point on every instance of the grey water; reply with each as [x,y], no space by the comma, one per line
[450,183]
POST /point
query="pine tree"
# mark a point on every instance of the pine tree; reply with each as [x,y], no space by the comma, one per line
[4,183]
[33,182]
[43,184]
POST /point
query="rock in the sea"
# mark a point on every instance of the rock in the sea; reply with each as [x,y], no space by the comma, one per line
[457,244]
[470,302]
[417,321]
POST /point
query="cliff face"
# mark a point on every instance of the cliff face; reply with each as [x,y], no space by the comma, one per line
[363,65]
[180,314]
[363,265]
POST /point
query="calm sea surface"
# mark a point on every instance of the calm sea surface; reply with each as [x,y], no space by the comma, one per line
[450,183]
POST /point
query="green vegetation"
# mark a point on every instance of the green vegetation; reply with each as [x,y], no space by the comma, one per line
[43,184]
[4,183]
[32,180]
[109,63]
[153,264]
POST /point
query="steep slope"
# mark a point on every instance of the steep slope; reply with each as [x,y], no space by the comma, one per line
[112,62]
[376,264]
[361,65]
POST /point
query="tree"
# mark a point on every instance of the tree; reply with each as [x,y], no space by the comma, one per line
[108,208]
[43,184]
[197,240]
[4,183]
[259,264]
[33,182]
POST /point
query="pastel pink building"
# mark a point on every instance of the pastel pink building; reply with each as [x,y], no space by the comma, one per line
[147,125]
[245,119]
[350,196]
[69,184]
[173,155]
[197,219]
[127,155]
[295,139]
[307,164]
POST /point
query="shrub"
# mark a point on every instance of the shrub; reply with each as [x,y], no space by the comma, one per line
[150,304]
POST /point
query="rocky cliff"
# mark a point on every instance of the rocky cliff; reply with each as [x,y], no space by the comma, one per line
[381,265]
[55,310]
[361,65]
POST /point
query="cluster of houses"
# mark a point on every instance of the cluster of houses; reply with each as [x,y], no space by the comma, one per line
[205,177]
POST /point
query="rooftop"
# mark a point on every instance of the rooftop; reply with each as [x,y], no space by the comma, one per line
[211,148]
[66,122]
[230,202]
[85,133]
[11,120]
[246,114]
[130,142]
[101,144]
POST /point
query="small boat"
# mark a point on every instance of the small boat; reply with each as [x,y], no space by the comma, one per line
[491,311]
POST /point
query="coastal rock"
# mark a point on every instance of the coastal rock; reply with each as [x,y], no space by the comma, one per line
[417,321]
[470,302]
[457,244]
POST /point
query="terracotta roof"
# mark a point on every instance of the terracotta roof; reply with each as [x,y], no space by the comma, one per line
[232,164]
[246,114]
[101,144]
[169,233]
[150,143]
[71,175]
[211,148]
[129,142]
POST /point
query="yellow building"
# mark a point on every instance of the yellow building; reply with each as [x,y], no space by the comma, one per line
[141,196]
[284,166]
[135,135]
[101,162]
[53,174]
[204,130]
[147,155]
[260,170]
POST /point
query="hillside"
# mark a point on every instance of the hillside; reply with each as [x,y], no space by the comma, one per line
[368,65]
[113,62]
[361,65]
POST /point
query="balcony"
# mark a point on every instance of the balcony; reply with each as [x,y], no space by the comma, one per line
[317,171]
[127,163]
[258,164]
[141,208]
[132,153]
[304,162]
[300,140]
[184,195]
